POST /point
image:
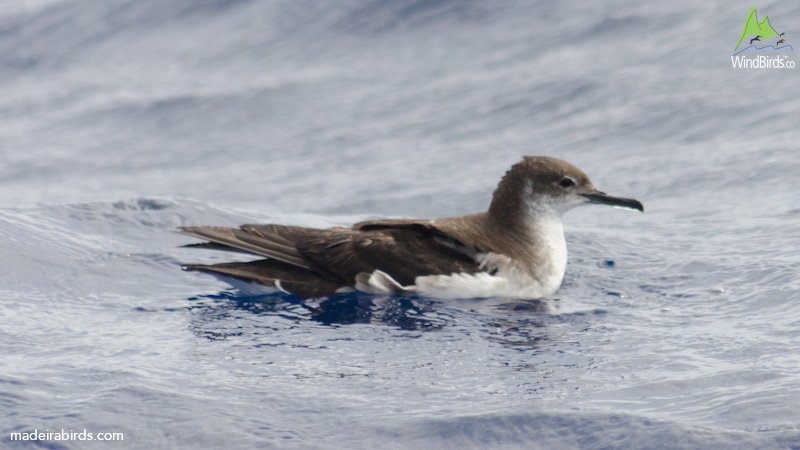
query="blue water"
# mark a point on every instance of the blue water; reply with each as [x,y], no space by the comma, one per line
[122,120]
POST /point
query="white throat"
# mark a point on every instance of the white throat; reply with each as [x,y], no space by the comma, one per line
[547,230]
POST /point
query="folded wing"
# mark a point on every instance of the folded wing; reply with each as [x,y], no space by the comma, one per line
[313,262]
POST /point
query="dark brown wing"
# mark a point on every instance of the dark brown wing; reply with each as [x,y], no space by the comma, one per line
[272,241]
[271,272]
[315,260]
[403,253]
[466,233]
[382,224]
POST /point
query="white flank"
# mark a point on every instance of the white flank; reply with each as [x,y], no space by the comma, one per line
[508,278]
[507,282]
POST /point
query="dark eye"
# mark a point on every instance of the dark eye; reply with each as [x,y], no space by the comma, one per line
[566,182]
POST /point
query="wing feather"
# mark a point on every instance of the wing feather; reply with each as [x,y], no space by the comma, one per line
[323,260]
[274,273]
[261,243]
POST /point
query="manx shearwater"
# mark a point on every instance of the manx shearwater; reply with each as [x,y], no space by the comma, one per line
[515,249]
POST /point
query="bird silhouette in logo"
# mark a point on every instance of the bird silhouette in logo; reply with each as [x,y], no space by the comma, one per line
[757,38]
[778,43]
[783,33]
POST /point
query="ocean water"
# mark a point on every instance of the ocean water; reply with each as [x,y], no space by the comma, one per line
[121,120]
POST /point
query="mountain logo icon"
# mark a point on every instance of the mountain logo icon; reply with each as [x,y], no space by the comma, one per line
[758,36]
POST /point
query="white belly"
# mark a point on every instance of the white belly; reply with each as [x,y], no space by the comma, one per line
[510,282]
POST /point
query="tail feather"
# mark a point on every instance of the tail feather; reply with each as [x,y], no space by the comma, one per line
[272,245]
[273,273]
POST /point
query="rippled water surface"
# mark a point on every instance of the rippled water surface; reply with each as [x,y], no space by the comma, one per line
[122,120]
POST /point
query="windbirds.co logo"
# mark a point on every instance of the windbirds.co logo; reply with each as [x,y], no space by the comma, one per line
[759,37]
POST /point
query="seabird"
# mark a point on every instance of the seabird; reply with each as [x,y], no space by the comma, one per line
[757,38]
[782,40]
[515,249]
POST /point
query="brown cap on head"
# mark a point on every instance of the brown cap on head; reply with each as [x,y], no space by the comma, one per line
[548,181]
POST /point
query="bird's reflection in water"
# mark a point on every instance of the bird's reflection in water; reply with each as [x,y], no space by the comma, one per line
[526,328]
[407,313]
[344,309]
